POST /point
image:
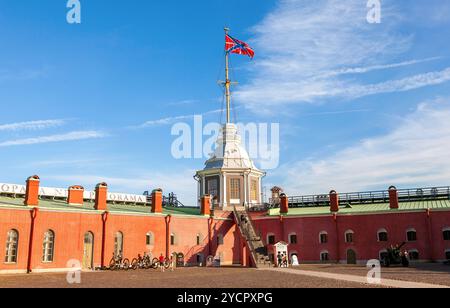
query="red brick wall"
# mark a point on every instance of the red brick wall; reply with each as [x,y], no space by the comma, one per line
[70,228]
[365,229]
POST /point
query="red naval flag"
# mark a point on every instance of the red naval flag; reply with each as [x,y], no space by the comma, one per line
[233,45]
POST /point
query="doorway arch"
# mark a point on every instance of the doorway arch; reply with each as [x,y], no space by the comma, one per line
[88,251]
[351,256]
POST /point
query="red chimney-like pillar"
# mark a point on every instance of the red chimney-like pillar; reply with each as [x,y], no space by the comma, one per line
[206,205]
[393,198]
[284,204]
[32,191]
[157,200]
[101,197]
[76,195]
[334,201]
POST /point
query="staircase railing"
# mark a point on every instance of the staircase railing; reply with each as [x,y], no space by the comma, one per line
[248,241]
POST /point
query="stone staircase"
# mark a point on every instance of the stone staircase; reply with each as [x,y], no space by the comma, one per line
[254,242]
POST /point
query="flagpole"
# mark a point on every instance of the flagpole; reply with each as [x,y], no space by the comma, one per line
[227,82]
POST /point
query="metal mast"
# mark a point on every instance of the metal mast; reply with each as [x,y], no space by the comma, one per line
[227,82]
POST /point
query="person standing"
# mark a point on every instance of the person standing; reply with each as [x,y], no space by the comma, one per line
[161,262]
[172,263]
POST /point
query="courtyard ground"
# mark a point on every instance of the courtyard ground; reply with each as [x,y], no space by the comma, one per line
[180,278]
[305,276]
[431,273]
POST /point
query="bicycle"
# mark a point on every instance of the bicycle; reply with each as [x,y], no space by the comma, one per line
[156,263]
[118,263]
[141,262]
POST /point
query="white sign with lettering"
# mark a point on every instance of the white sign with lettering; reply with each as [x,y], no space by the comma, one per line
[63,193]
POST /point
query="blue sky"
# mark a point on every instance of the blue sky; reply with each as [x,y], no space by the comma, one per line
[360,106]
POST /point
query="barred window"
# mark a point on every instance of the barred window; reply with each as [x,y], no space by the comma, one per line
[12,241]
[446,234]
[212,188]
[293,238]
[235,189]
[382,235]
[254,190]
[349,236]
[48,246]
[324,256]
[411,235]
[271,239]
[323,238]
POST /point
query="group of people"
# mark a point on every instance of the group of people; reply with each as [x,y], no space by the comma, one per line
[282,260]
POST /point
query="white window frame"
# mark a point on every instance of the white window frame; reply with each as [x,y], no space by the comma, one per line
[408,231]
[289,238]
[320,237]
[11,246]
[321,255]
[446,229]
[382,231]
[48,247]
[353,236]
[267,238]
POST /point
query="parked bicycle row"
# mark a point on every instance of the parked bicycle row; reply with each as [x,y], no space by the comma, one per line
[141,262]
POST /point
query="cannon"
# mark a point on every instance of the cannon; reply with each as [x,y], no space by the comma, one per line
[395,256]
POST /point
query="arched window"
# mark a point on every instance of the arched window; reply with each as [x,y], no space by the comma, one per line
[382,235]
[293,239]
[149,239]
[118,244]
[270,239]
[349,236]
[411,235]
[48,246]
[413,255]
[220,239]
[323,237]
[12,241]
[173,239]
[324,256]
[446,234]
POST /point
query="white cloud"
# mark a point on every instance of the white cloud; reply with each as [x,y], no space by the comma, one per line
[31,125]
[72,136]
[307,49]
[171,120]
[415,153]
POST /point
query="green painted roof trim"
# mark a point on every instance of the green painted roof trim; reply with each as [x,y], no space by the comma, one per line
[89,206]
[442,204]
